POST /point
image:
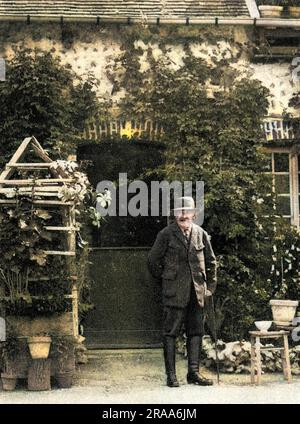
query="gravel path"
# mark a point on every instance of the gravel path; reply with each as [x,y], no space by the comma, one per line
[137,376]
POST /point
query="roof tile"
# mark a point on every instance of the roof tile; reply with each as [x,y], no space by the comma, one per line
[126,8]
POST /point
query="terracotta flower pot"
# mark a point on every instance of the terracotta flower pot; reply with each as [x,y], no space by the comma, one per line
[65,379]
[294,11]
[8,382]
[283,311]
[39,346]
[269,11]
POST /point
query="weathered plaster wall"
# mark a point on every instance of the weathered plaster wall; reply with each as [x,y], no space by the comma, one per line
[89,48]
[278,78]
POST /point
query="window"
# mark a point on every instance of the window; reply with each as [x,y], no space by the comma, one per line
[285,169]
[273,45]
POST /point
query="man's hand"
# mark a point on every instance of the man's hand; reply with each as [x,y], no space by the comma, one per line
[208,293]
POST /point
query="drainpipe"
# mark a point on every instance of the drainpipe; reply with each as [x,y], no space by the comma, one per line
[262,22]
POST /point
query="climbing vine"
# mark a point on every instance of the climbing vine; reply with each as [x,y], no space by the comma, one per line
[32,282]
[44,98]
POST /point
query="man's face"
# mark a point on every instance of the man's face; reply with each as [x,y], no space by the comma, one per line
[184,218]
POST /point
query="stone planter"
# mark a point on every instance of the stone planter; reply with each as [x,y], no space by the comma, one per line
[269,11]
[283,311]
[9,382]
[294,11]
[39,346]
[64,379]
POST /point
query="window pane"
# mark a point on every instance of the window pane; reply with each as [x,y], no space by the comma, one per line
[282,184]
[281,162]
[283,205]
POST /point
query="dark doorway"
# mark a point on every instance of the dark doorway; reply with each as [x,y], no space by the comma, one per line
[127,300]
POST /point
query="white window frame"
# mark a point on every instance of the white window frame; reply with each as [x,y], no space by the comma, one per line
[294,180]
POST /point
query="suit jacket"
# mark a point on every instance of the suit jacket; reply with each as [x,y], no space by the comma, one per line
[179,265]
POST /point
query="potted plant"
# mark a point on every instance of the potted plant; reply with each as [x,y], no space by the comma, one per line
[39,346]
[271,8]
[294,8]
[63,355]
[9,351]
[285,274]
[283,311]
[35,283]
[9,381]
[31,295]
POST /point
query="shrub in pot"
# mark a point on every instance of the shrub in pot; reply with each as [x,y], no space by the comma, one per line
[9,382]
[32,284]
[65,379]
[283,311]
[271,9]
[285,277]
[63,354]
[9,351]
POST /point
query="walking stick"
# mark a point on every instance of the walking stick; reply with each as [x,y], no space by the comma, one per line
[215,337]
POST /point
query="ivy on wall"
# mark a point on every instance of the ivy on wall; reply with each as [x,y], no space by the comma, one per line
[41,97]
[23,264]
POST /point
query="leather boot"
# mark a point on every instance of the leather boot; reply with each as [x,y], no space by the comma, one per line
[193,345]
[169,356]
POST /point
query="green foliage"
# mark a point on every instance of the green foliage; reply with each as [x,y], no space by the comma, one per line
[28,238]
[32,282]
[9,349]
[285,271]
[62,348]
[84,282]
[24,265]
[215,136]
[41,97]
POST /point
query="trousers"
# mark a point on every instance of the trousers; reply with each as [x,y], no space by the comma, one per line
[192,316]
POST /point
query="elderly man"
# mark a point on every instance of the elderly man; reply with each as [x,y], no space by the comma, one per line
[182,256]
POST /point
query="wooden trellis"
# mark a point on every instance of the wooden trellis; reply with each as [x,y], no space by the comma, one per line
[46,193]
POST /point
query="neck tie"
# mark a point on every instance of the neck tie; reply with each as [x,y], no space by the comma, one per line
[186,235]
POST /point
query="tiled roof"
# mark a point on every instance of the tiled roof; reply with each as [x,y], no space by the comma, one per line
[126,8]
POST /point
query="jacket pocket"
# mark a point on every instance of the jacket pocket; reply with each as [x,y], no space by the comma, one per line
[171,259]
[169,274]
[199,247]
[169,288]
[172,246]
